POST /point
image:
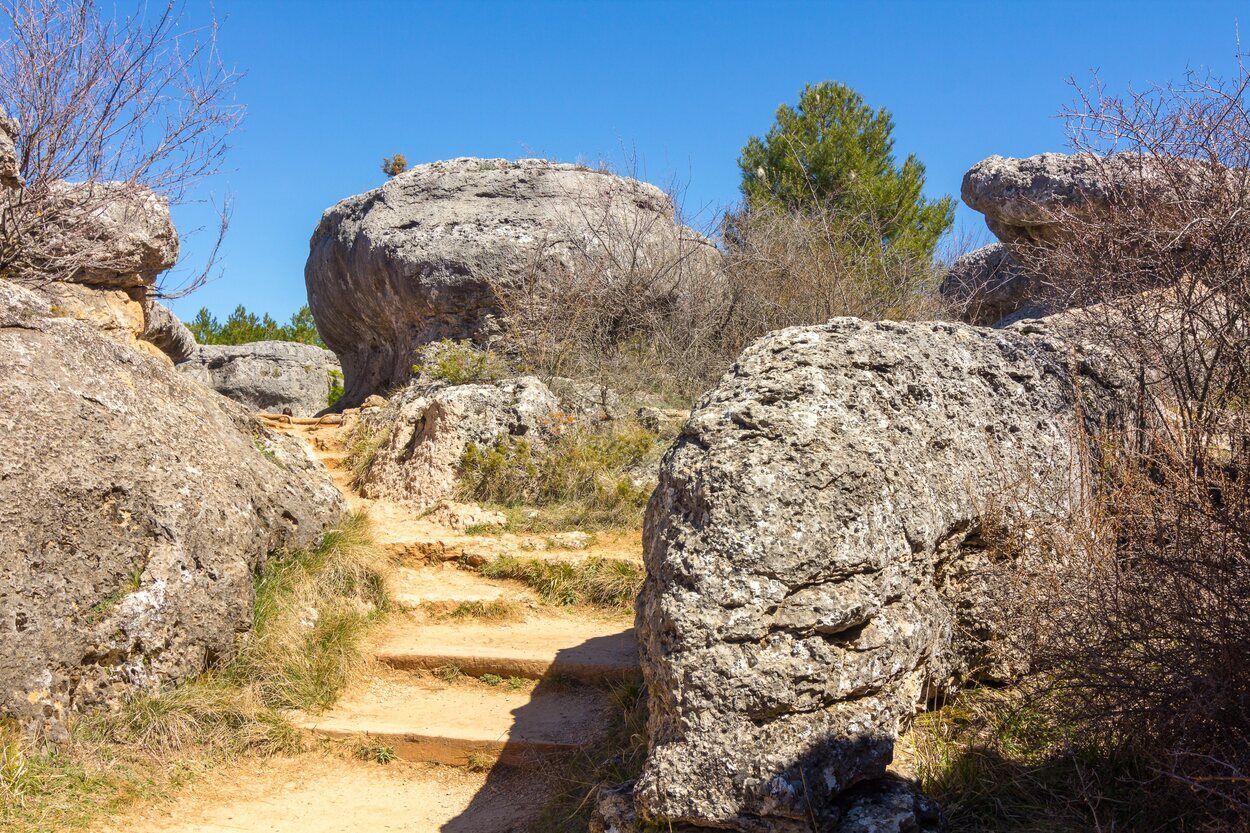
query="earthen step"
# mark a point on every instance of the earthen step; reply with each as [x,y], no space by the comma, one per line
[477,550]
[591,650]
[444,584]
[452,724]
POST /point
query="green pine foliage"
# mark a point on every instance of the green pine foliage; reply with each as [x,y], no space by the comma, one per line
[242,327]
[834,152]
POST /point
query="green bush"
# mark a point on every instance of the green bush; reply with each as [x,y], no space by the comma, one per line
[336,387]
[461,363]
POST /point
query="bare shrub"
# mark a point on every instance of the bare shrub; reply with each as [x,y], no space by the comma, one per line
[117,105]
[623,297]
[1139,626]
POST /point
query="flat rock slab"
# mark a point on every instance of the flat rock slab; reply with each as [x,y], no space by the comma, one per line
[447,724]
[583,648]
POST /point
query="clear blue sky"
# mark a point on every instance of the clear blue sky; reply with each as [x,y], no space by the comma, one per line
[332,86]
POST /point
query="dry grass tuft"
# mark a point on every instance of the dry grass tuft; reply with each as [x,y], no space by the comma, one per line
[603,582]
[587,478]
[499,610]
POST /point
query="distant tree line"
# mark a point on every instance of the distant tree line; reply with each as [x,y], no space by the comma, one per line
[242,327]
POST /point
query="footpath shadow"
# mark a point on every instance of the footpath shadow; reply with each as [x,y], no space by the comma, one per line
[567,706]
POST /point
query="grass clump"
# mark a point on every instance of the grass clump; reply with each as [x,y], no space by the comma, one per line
[461,363]
[378,753]
[449,673]
[365,442]
[311,609]
[583,479]
[604,582]
[1002,761]
[499,610]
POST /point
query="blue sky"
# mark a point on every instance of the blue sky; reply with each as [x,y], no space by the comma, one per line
[333,86]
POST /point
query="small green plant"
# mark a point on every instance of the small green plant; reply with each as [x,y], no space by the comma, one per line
[394,165]
[334,383]
[491,679]
[379,753]
[366,439]
[448,673]
[461,363]
[518,683]
[478,762]
[260,445]
[604,582]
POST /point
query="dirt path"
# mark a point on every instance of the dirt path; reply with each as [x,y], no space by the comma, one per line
[476,713]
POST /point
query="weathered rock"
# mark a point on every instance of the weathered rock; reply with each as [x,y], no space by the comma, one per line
[815,550]
[987,285]
[1032,204]
[273,376]
[585,399]
[138,507]
[116,234]
[10,168]
[1023,200]
[162,329]
[428,428]
[661,420]
[421,258]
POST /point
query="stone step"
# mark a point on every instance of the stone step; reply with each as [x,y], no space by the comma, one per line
[469,724]
[586,649]
[446,585]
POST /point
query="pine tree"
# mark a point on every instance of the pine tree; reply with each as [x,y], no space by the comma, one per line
[834,152]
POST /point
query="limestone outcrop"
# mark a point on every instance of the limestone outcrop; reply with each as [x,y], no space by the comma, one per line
[1026,203]
[274,376]
[423,432]
[138,507]
[987,286]
[423,257]
[817,553]
[163,330]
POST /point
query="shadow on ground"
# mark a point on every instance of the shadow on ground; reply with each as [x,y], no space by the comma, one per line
[532,772]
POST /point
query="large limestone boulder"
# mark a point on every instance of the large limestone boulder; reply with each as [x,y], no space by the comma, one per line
[274,376]
[1024,200]
[818,554]
[421,258]
[138,507]
[425,430]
